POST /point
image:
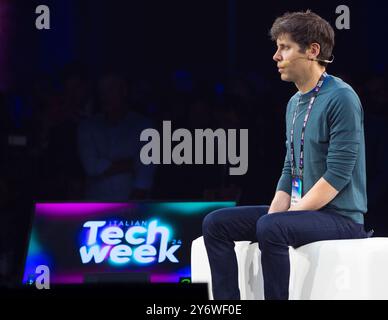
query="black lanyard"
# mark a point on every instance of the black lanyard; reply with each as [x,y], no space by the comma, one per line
[312,99]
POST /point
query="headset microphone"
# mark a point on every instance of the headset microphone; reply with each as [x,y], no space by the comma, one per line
[286,63]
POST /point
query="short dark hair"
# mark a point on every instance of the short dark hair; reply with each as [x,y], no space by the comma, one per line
[305,28]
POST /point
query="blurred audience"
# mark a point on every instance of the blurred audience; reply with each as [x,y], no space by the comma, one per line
[109,146]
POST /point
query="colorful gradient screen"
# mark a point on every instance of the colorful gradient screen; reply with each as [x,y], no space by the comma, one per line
[75,240]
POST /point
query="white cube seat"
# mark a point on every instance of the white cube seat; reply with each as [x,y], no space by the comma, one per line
[332,269]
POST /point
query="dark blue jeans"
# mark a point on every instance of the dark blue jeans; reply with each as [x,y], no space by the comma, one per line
[274,233]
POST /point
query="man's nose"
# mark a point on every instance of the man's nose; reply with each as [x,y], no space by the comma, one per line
[277,57]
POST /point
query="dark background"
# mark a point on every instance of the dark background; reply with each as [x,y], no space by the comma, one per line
[197,63]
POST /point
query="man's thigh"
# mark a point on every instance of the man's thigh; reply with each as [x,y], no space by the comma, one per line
[303,227]
[237,223]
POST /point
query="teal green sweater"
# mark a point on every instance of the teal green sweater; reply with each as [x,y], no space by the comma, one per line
[334,146]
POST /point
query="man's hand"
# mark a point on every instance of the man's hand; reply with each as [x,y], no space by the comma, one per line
[318,196]
[280,203]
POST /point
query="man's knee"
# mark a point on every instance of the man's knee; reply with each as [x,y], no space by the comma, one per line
[213,222]
[268,229]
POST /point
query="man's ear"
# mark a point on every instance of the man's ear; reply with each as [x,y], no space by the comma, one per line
[314,50]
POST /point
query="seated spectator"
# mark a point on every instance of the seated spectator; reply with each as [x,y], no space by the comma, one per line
[109,147]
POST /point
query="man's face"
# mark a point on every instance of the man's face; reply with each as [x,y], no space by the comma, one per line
[288,50]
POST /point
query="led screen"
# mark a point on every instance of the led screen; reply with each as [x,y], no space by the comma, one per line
[148,239]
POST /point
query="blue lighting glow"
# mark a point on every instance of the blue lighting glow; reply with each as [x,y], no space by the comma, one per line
[194,207]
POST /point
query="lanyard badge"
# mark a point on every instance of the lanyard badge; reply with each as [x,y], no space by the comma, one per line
[297,190]
[297,180]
